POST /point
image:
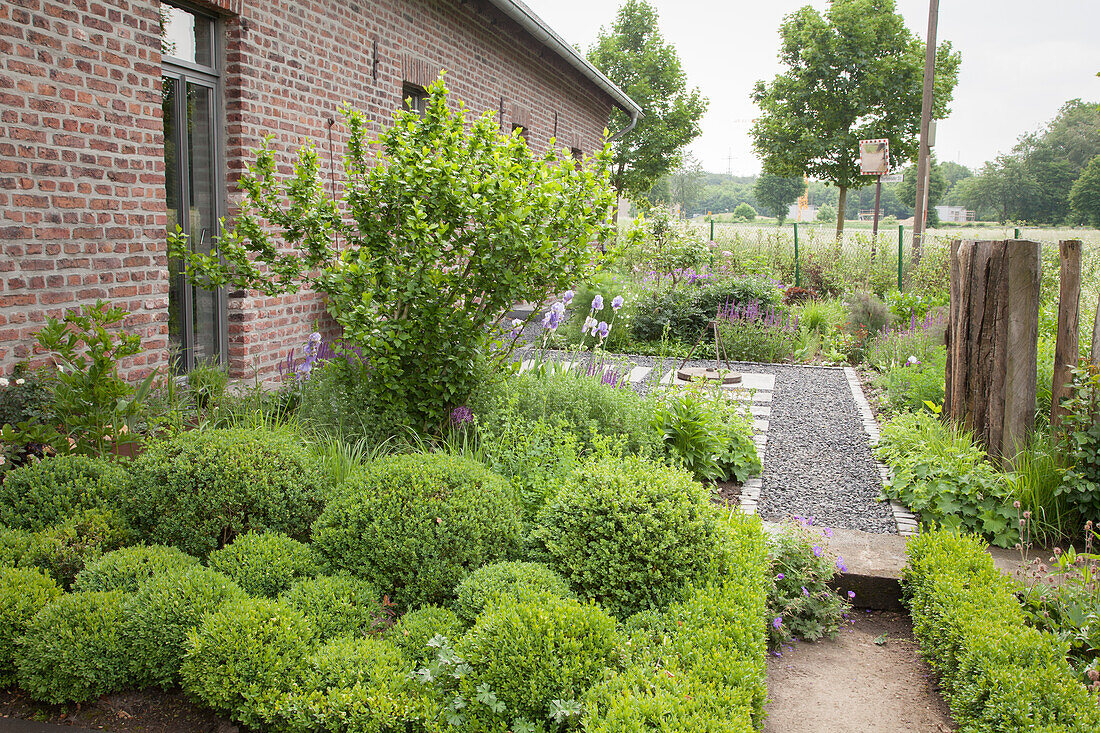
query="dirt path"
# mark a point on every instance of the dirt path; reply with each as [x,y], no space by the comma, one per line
[853,684]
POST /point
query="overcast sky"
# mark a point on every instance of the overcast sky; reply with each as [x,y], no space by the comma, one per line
[1021,60]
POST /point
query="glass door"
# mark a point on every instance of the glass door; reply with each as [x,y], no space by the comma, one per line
[193,181]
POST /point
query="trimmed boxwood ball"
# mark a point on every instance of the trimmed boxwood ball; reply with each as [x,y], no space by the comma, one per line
[74,649]
[13,543]
[164,611]
[536,649]
[352,685]
[200,489]
[487,584]
[629,533]
[23,593]
[129,568]
[338,605]
[245,657]
[416,628]
[64,550]
[265,564]
[46,492]
[417,525]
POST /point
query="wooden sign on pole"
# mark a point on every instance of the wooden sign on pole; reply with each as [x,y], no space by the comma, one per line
[992,342]
[1066,352]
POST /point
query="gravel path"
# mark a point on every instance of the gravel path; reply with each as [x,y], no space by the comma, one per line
[817,461]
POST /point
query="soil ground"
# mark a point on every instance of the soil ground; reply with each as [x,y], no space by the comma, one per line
[148,711]
[871,677]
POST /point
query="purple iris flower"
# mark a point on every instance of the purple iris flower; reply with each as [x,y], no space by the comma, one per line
[597,303]
[617,302]
[567,297]
[603,329]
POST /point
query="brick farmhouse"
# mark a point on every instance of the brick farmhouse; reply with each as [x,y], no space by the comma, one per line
[117,116]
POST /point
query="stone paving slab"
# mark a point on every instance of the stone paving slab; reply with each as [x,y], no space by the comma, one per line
[875,562]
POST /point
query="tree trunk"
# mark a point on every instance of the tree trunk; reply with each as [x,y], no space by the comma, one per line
[841,206]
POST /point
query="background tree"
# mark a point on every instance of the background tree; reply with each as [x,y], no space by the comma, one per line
[777,193]
[685,185]
[937,187]
[1085,195]
[855,72]
[634,55]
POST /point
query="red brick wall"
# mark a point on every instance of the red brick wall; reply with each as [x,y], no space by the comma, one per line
[82,210]
[81,171]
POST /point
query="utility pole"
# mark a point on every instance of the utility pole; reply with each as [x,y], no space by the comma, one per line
[924,151]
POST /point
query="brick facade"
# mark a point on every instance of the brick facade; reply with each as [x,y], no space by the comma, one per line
[82,197]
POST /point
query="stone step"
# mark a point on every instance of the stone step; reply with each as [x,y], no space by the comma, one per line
[875,562]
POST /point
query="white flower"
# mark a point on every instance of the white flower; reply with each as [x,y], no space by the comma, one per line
[20,380]
[4,382]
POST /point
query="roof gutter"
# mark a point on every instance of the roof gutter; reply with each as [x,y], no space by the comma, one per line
[534,25]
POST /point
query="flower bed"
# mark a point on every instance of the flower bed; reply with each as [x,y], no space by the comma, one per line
[997,673]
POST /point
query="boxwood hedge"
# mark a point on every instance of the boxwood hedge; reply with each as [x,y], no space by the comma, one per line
[997,673]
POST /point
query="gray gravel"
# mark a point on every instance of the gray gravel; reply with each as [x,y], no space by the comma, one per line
[817,461]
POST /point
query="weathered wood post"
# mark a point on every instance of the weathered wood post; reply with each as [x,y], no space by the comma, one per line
[1094,355]
[1066,352]
[992,340]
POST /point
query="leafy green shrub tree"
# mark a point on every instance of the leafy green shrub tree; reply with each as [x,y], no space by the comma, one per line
[164,611]
[265,564]
[352,684]
[245,657]
[200,489]
[416,628]
[708,435]
[486,585]
[43,493]
[128,568]
[538,655]
[74,649]
[338,605]
[98,410]
[417,525]
[629,533]
[744,212]
[429,246]
[23,593]
[64,549]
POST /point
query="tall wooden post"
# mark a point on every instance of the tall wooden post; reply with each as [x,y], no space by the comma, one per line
[1094,356]
[1066,352]
[993,334]
[924,150]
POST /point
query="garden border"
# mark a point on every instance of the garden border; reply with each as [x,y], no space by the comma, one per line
[906,521]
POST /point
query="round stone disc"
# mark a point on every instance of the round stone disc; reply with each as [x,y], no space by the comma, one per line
[713,375]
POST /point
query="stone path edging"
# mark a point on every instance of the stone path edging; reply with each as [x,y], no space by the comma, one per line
[905,519]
